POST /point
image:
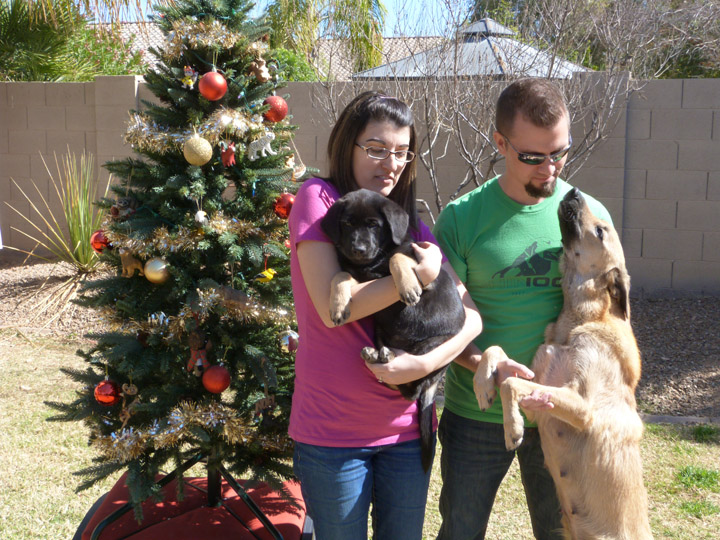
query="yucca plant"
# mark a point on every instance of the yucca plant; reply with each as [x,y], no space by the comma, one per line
[65,238]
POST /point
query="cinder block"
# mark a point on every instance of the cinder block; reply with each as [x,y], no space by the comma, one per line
[116,90]
[699,215]
[632,241]
[15,165]
[46,118]
[696,276]
[701,94]
[26,93]
[682,124]
[698,155]
[600,181]
[711,246]
[110,143]
[635,183]
[143,93]
[677,185]
[40,170]
[638,123]
[26,142]
[111,118]
[4,140]
[14,118]
[608,153]
[646,214]
[714,186]
[615,207]
[80,118]
[651,154]
[62,141]
[65,94]
[89,93]
[658,94]
[672,244]
[649,273]
[3,94]
[716,125]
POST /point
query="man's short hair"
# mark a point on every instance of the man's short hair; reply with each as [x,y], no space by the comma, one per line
[540,101]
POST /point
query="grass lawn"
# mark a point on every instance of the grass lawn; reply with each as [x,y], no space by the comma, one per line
[37,458]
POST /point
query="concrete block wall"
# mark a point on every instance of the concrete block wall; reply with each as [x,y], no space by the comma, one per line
[672,196]
[658,173]
[42,121]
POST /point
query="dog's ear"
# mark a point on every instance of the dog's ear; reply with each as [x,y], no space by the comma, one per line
[619,287]
[398,220]
[330,224]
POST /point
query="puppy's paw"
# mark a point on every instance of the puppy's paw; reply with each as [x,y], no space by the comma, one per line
[410,295]
[385,355]
[339,313]
[370,355]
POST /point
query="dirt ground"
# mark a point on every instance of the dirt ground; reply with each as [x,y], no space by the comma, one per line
[679,338]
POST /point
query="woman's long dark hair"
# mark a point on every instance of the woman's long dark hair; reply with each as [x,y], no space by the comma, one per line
[364,108]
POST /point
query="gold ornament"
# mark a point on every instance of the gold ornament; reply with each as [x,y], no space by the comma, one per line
[156,270]
[197,151]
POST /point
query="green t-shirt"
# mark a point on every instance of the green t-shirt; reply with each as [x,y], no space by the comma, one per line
[507,254]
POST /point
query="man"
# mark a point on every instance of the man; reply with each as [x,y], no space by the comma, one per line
[503,240]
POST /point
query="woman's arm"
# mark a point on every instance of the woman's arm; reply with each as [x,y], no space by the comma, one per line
[319,264]
[407,367]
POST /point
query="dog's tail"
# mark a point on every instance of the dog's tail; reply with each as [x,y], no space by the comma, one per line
[425,418]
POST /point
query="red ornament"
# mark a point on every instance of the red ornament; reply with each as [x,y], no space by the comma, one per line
[107,393]
[216,379]
[283,205]
[278,108]
[288,244]
[98,241]
[212,86]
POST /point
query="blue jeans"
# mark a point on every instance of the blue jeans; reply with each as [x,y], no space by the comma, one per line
[474,462]
[338,485]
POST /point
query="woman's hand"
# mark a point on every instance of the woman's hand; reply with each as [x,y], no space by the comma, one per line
[404,368]
[429,259]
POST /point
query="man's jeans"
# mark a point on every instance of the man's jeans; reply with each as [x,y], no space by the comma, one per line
[474,462]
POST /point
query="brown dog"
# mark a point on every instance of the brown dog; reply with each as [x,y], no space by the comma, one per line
[590,364]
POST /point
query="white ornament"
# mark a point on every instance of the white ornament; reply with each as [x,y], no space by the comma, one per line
[262,146]
[201,217]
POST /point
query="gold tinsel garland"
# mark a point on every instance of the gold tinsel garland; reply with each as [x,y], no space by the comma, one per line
[201,34]
[144,134]
[131,443]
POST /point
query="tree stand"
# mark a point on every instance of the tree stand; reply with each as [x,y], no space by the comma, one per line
[217,507]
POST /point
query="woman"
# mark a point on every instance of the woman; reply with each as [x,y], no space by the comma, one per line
[357,441]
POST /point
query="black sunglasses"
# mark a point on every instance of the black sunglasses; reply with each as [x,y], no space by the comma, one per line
[539,159]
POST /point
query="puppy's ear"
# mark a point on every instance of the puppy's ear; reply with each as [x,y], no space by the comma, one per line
[619,287]
[398,220]
[330,224]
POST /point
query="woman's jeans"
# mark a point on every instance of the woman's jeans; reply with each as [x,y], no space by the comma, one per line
[338,485]
[474,462]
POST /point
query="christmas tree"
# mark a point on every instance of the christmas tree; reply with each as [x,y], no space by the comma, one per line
[196,363]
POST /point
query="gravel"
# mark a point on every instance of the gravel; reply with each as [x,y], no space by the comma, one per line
[679,338]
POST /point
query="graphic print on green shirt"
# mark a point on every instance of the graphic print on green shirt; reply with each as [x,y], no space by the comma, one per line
[507,254]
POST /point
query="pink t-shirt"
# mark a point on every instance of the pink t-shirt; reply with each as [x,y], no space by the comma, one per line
[337,400]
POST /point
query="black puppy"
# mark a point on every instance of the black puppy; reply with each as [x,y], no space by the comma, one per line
[370,233]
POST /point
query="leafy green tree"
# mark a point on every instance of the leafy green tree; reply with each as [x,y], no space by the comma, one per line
[298,24]
[105,52]
[197,359]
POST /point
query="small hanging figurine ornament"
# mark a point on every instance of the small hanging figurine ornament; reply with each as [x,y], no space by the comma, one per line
[129,263]
[227,153]
[198,353]
[261,146]
[189,77]
[259,70]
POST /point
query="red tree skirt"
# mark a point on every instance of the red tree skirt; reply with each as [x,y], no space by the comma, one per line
[192,519]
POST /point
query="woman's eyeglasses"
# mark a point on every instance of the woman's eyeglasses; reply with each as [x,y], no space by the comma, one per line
[539,159]
[378,152]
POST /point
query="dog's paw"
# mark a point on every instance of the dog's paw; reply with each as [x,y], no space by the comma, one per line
[484,387]
[339,314]
[385,355]
[410,293]
[513,439]
[370,355]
